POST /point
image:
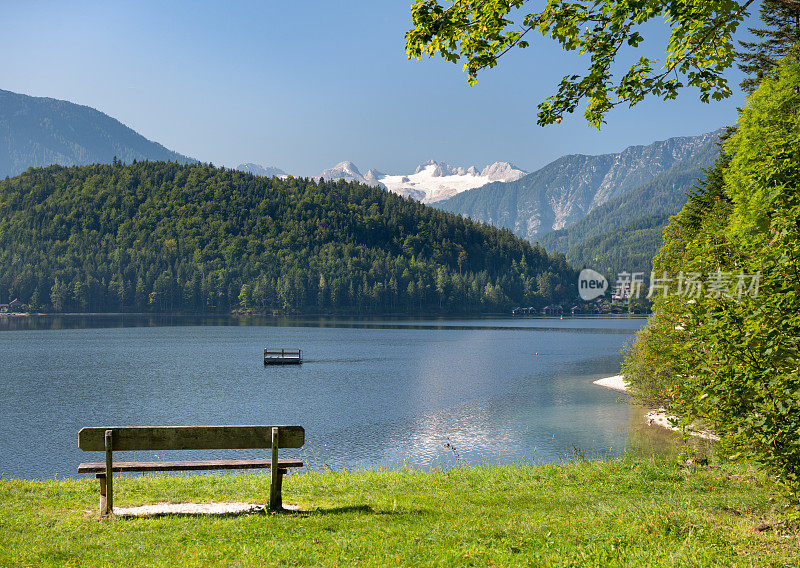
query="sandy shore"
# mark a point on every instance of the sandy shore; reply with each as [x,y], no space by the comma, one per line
[617,382]
[656,417]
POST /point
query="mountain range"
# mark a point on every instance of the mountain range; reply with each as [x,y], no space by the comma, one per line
[566,190]
[662,196]
[430,182]
[625,233]
[603,211]
[37,131]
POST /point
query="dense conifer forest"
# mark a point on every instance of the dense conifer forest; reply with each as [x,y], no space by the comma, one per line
[164,237]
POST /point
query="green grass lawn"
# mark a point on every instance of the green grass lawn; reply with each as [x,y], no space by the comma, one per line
[631,512]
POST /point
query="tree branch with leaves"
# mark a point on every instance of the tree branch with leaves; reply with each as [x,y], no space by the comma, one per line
[698,52]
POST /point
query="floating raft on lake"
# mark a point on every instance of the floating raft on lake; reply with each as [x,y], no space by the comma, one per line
[282,356]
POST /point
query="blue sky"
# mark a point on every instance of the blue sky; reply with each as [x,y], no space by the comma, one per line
[304,85]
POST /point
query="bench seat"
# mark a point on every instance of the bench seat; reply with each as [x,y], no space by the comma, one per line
[100,467]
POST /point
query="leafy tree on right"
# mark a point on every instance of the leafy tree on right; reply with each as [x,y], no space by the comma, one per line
[731,360]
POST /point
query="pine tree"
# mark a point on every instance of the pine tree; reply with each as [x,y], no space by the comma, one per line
[760,58]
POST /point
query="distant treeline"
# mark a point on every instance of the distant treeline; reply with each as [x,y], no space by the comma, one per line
[164,237]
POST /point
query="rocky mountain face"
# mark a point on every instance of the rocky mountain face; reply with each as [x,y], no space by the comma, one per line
[568,189]
[431,182]
[664,195]
[36,131]
[262,171]
[626,232]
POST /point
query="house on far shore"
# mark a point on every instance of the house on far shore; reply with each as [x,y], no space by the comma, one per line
[552,310]
[523,311]
[12,306]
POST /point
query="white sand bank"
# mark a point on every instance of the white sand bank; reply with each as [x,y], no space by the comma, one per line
[617,382]
[158,509]
[657,417]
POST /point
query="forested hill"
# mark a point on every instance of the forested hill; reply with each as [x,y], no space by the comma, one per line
[159,236]
[38,131]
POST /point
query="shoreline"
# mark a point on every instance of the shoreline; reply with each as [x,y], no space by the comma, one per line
[656,416]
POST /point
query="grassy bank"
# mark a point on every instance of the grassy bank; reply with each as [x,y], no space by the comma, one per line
[632,512]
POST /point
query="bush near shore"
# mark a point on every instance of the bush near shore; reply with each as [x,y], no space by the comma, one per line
[631,512]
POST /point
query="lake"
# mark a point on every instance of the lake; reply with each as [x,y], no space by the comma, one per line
[371,392]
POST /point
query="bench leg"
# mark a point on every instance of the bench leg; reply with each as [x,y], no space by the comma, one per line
[103,498]
[275,494]
[275,474]
[108,479]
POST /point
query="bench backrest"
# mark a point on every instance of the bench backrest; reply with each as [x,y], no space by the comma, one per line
[190,437]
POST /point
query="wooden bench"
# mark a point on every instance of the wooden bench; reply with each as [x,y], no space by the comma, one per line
[153,438]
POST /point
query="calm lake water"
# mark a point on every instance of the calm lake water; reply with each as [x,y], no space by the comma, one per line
[371,393]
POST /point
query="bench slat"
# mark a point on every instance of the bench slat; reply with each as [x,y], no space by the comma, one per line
[100,467]
[190,437]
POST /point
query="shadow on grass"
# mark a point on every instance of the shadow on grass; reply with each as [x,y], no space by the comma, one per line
[262,510]
[131,517]
[365,509]
[340,510]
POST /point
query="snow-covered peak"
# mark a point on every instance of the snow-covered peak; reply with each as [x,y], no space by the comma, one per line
[342,170]
[374,175]
[502,171]
[432,181]
[422,167]
[259,170]
[349,172]
[443,169]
